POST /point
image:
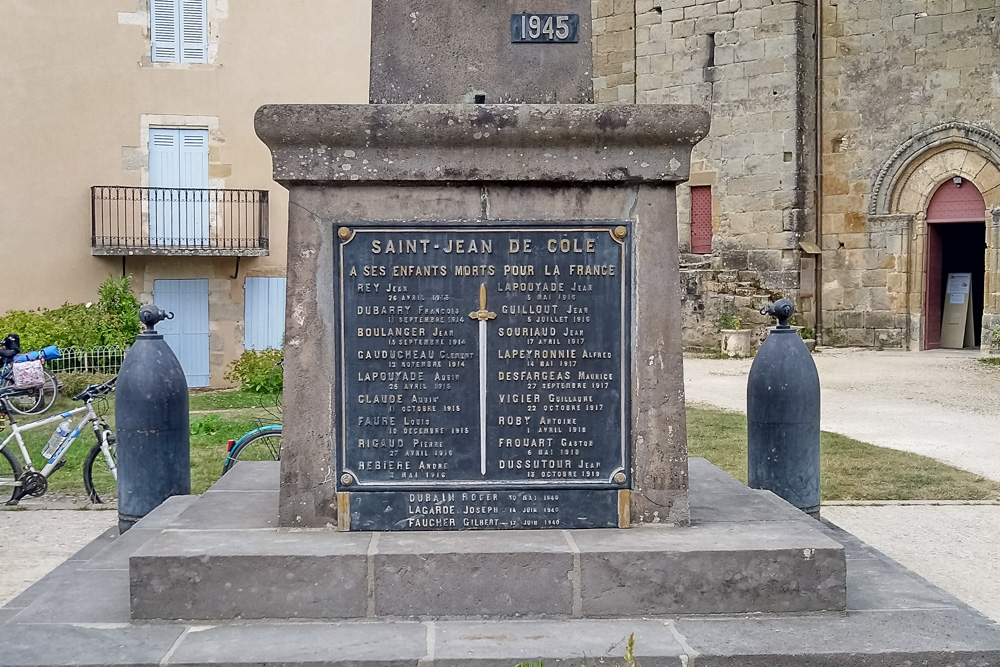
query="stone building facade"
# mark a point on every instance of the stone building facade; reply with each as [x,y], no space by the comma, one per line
[91,90]
[826,150]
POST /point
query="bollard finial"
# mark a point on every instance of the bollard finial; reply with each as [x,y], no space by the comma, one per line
[151,314]
[782,310]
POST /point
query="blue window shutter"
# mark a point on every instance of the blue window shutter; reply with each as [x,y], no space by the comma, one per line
[178,178]
[164,158]
[193,158]
[164,30]
[264,313]
[164,177]
[194,180]
[194,31]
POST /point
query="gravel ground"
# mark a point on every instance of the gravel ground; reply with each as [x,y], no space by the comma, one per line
[34,541]
[939,403]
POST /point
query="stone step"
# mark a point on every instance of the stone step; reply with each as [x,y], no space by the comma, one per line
[79,614]
[746,552]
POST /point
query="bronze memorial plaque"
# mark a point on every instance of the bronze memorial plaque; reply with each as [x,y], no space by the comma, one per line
[484,376]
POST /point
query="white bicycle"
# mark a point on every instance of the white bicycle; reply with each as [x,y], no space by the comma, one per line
[20,475]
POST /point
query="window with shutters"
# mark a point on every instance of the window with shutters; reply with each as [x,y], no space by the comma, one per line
[701,219]
[178,186]
[179,31]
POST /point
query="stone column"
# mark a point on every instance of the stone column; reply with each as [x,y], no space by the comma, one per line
[991,288]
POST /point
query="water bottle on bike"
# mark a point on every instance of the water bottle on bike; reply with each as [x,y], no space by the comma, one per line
[62,432]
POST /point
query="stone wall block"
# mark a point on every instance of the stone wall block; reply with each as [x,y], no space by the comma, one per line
[781,47]
[896,283]
[782,11]
[860,337]
[876,278]
[747,18]
[915,6]
[652,47]
[894,338]
[927,25]
[780,281]
[849,319]
[904,23]
[763,260]
[700,11]
[783,241]
[880,320]
[880,299]
[749,51]
[711,24]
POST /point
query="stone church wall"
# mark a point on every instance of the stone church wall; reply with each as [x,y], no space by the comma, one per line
[749,60]
[893,71]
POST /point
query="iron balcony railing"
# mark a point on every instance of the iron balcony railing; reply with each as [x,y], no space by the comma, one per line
[178,221]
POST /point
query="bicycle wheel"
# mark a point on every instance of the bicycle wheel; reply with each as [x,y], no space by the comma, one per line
[36,401]
[98,479]
[264,445]
[10,471]
[26,401]
[47,393]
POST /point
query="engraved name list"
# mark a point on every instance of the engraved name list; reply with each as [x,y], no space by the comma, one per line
[483,376]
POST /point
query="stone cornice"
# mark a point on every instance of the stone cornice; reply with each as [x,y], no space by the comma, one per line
[493,142]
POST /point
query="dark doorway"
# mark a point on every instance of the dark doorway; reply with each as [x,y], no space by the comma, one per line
[956,243]
[954,247]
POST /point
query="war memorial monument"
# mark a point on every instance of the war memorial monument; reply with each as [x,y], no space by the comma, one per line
[484,458]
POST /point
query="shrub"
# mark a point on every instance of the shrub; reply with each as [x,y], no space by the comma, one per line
[119,312]
[75,382]
[113,320]
[257,371]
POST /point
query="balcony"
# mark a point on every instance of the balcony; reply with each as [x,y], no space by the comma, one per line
[178,221]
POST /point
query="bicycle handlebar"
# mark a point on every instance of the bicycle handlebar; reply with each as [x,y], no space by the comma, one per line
[96,390]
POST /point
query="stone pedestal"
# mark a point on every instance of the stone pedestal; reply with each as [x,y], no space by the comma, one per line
[474,165]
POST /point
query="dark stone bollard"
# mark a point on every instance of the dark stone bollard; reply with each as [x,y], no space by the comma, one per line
[783,416]
[152,424]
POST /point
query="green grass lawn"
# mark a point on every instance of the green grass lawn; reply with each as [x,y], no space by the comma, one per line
[210,434]
[849,469]
[231,400]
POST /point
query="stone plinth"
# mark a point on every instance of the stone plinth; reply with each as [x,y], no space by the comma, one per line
[748,551]
[475,164]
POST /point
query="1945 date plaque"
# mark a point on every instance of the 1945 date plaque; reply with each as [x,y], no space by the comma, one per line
[484,376]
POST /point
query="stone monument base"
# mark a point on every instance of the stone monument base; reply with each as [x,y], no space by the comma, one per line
[747,551]
[80,614]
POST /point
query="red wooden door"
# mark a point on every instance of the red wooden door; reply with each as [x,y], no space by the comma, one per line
[955,201]
[933,299]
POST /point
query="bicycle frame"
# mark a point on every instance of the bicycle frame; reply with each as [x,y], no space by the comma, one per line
[53,463]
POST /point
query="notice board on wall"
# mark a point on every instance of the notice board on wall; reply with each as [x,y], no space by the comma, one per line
[956,319]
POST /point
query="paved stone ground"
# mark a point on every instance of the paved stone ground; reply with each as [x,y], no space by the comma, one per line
[932,403]
[952,546]
[34,541]
[79,615]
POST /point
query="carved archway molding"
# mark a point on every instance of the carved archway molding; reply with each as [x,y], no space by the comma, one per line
[917,148]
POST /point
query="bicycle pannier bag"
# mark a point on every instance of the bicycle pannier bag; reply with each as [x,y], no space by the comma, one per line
[28,374]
